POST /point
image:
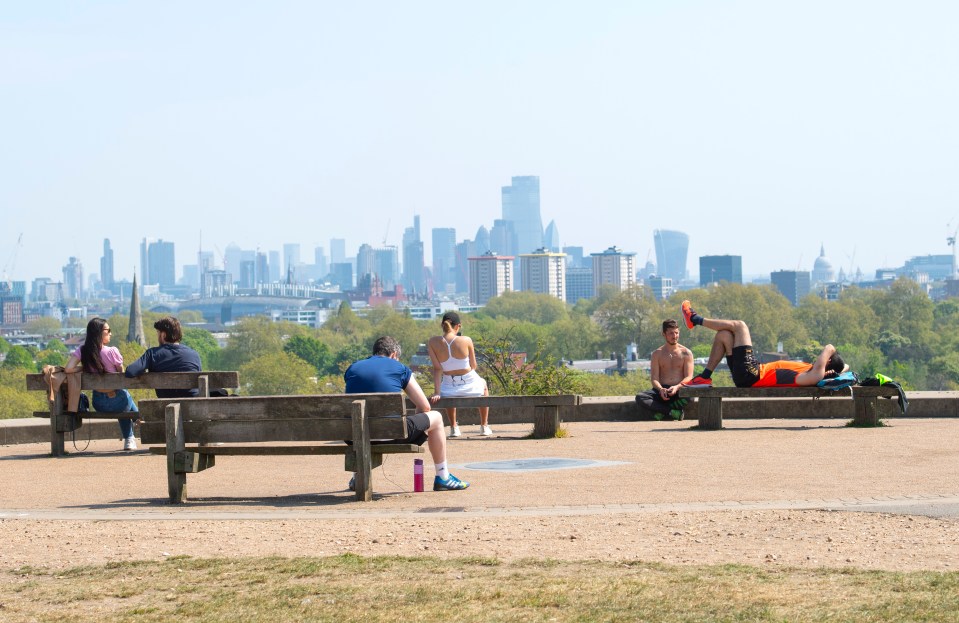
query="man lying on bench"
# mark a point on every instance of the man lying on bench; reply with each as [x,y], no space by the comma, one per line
[733,342]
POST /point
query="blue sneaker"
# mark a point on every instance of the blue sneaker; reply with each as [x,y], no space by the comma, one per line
[450,484]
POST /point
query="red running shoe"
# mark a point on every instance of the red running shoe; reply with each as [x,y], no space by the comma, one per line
[698,381]
[688,314]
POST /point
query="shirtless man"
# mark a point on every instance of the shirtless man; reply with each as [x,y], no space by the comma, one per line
[670,367]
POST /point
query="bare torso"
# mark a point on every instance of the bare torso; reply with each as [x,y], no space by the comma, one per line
[669,364]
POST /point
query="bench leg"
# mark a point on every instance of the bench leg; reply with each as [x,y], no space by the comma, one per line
[175,443]
[545,422]
[361,448]
[57,446]
[867,411]
[710,413]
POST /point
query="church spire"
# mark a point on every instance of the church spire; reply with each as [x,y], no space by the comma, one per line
[135,333]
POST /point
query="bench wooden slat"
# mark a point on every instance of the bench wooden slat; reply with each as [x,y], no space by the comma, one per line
[276,430]
[156,380]
[502,402]
[97,415]
[294,450]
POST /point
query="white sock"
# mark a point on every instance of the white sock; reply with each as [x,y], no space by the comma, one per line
[441,470]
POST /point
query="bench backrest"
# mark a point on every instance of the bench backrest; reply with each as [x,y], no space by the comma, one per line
[251,419]
[155,380]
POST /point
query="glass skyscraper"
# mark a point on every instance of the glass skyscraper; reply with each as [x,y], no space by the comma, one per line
[521,207]
[671,249]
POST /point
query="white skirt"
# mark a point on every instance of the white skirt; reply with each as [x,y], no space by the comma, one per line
[470,384]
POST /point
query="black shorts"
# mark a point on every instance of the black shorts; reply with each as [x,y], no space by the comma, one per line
[416,427]
[743,366]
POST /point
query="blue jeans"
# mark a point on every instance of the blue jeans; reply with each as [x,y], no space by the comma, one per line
[122,401]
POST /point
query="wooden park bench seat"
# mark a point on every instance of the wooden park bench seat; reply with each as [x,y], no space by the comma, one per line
[544,412]
[62,422]
[192,429]
[709,407]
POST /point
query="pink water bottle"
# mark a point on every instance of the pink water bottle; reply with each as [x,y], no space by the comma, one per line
[418,475]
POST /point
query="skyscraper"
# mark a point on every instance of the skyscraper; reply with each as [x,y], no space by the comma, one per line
[414,278]
[161,264]
[73,279]
[490,275]
[481,240]
[337,250]
[521,208]
[551,237]
[716,268]
[544,272]
[444,258]
[291,258]
[613,267]
[671,249]
[106,266]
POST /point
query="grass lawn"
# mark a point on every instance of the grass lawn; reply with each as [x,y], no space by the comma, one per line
[368,590]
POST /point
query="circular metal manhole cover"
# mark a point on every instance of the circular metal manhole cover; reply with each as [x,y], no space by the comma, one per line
[539,464]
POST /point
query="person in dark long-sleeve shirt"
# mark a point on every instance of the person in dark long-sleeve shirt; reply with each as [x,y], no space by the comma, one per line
[169,356]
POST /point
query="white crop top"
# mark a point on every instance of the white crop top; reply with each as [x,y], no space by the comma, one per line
[453,363]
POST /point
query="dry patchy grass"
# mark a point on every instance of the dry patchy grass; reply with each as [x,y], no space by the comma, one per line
[370,590]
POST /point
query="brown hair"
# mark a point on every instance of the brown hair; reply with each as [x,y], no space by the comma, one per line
[670,324]
[450,320]
[170,327]
[386,346]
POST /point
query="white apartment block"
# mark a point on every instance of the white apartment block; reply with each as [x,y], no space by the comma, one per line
[490,275]
[544,272]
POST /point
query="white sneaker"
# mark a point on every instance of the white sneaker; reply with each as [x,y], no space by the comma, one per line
[130,443]
[455,431]
[485,431]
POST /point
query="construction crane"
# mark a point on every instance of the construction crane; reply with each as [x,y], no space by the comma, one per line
[951,241]
[386,234]
[12,262]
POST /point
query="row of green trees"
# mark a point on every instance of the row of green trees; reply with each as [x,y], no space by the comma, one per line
[899,332]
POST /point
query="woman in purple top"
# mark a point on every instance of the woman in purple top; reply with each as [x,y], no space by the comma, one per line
[97,357]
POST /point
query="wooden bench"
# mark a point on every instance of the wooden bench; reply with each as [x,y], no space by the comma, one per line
[192,429]
[62,422]
[543,411]
[709,407]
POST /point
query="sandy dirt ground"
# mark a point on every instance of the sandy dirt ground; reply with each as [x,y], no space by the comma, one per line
[769,492]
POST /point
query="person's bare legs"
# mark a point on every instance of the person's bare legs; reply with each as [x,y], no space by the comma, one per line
[484,411]
[737,328]
[451,414]
[436,437]
[722,346]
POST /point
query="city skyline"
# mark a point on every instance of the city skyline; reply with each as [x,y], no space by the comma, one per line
[758,129]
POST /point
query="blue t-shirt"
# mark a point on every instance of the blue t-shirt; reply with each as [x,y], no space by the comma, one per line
[376,374]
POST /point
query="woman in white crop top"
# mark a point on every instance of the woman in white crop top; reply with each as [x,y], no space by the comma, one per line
[454,370]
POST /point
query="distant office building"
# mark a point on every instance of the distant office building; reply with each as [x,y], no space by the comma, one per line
[579,284]
[12,302]
[662,287]
[934,267]
[482,241]
[337,250]
[613,267]
[275,266]
[247,274]
[465,250]
[161,264]
[521,208]
[144,264]
[502,238]
[717,268]
[574,257]
[262,268]
[364,263]
[386,267]
[545,272]
[106,266]
[551,238]
[793,284]
[671,249]
[444,258]
[414,262]
[341,274]
[73,279]
[822,271]
[490,275]
[322,266]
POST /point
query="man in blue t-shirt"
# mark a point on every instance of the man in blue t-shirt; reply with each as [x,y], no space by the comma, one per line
[383,372]
[169,356]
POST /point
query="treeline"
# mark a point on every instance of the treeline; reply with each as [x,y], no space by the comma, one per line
[899,332]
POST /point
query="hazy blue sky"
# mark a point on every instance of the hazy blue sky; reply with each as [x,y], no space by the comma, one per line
[760,128]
